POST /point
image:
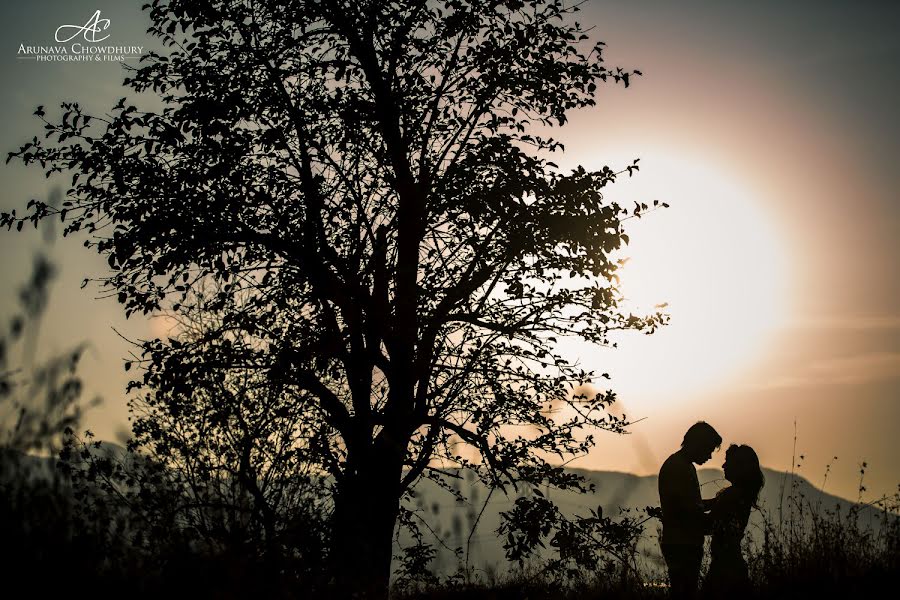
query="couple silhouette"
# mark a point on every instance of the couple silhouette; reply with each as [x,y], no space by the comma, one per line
[687,517]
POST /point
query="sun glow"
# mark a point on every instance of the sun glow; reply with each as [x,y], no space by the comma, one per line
[714,258]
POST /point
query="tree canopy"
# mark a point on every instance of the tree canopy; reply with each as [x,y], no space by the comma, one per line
[360,198]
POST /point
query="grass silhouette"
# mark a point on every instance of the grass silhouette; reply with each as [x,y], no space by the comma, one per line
[86,537]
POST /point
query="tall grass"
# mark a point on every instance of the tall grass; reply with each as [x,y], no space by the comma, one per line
[799,549]
[813,551]
[802,549]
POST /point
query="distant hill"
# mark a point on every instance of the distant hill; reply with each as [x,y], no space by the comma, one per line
[452,522]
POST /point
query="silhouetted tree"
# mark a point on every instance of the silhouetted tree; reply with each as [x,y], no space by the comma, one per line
[366,187]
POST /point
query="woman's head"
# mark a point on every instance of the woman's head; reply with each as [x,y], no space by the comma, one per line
[742,470]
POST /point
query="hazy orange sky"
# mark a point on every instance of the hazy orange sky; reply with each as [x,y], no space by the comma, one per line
[773,133]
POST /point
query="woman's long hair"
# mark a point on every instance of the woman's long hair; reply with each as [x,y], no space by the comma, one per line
[744,471]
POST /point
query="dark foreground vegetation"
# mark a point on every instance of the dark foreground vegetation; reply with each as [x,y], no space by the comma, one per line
[65,527]
[811,552]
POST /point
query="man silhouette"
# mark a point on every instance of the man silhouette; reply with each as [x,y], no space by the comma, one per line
[683,518]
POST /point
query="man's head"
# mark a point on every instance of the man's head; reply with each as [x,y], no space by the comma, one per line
[700,441]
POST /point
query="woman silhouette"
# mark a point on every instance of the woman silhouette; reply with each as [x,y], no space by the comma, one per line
[729,513]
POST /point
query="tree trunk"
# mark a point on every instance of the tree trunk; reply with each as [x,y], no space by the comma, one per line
[365,513]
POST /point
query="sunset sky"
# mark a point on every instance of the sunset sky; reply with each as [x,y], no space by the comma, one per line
[771,131]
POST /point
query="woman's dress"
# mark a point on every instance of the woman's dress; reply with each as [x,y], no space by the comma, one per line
[727,576]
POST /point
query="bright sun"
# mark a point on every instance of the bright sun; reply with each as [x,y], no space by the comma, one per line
[714,256]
